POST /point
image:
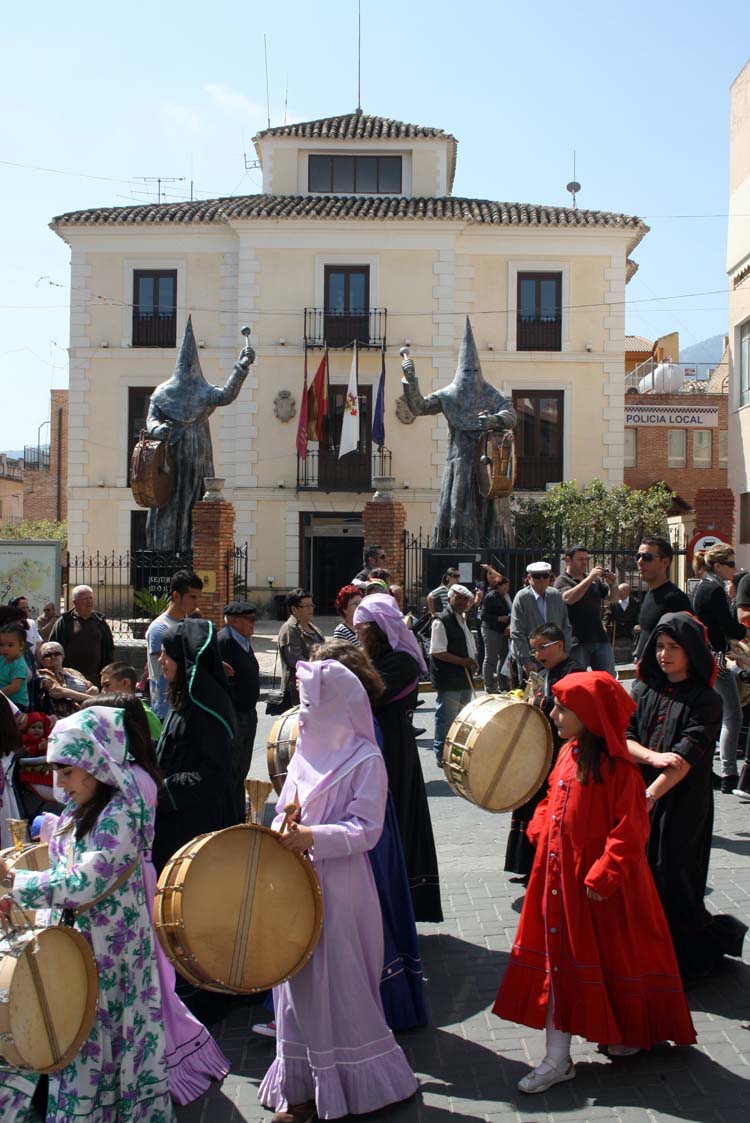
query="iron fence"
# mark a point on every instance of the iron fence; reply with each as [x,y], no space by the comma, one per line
[237,571]
[129,588]
[426,559]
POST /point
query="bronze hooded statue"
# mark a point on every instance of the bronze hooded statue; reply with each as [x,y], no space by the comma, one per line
[179,413]
[471,406]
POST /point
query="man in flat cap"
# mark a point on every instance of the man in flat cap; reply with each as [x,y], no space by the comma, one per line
[244,688]
[452,662]
[537,603]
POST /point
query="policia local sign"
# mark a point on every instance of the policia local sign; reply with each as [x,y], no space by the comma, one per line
[682,416]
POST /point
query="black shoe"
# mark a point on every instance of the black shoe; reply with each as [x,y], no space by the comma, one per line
[715,782]
[729,783]
[420,702]
[418,732]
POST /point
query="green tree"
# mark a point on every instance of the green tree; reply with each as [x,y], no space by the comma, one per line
[35,529]
[608,518]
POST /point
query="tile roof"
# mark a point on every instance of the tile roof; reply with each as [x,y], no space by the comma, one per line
[355,126]
[354,208]
[637,343]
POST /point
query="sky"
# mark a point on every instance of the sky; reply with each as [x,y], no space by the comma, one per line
[103,95]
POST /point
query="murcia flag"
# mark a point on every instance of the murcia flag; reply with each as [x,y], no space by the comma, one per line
[302,423]
[350,424]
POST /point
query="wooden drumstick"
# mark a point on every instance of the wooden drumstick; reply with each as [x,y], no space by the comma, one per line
[290,810]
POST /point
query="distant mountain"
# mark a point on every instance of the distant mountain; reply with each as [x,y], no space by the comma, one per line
[14,453]
[705,351]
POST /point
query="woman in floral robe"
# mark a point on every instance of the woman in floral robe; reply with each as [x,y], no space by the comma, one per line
[119,1076]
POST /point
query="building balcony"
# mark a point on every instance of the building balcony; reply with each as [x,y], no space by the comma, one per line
[339,330]
[539,333]
[323,471]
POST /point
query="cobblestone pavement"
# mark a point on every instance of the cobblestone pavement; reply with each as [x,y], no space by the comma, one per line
[468,1061]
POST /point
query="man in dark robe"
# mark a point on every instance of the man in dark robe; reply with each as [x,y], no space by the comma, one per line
[471,406]
[179,413]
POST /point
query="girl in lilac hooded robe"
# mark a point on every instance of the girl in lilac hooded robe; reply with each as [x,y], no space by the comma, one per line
[334,1051]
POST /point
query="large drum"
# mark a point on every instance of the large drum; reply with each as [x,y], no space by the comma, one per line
[48,993]
[282,742]
[151,472]
[236,912]
[498,752]
[32,856]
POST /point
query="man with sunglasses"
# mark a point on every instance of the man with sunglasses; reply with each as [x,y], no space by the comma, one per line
[536,604]
[654,557]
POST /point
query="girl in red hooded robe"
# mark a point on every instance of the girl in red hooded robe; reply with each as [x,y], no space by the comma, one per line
[593,954]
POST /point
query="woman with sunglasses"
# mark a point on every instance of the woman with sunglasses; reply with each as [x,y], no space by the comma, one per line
[711,604]
[495,623]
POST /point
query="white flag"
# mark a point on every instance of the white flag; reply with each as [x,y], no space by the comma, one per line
[350,424]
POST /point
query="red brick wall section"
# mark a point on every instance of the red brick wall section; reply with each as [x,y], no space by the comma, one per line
[384,525]
[651,450]
[714,512]
[213,536]
[40,488]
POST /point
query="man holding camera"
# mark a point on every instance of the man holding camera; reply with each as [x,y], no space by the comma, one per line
[584,593]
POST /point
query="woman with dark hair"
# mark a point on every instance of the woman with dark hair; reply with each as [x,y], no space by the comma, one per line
[711,605]
[401,979]
[297,637]
[495,623]
[397,658]
[347,599]
[193,1058]
[672,736]
[194,751]
[96,871]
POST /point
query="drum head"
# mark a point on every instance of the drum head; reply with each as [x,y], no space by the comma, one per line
[252,911]
[282,742]
[502,750]
[53,994]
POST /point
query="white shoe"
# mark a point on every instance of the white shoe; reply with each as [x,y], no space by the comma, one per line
[622,1050]
[265,1029]
[545,1075]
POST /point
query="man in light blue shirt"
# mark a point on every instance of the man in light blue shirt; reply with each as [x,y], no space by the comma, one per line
[184,593]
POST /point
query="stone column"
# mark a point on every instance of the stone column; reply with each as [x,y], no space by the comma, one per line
[385,519]
[213,539]
[714,512]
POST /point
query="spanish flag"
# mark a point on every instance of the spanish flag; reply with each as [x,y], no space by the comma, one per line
[317,401]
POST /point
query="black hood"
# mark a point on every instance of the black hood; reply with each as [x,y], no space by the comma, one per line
[193,645]
[688,631]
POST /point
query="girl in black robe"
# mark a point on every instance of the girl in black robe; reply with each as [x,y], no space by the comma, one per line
[194,751]
[678,718]
[400,670]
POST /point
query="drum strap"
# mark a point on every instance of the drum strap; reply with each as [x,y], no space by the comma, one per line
[242,931]
[126,873]
[41,994]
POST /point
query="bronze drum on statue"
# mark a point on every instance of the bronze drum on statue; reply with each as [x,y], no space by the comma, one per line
[151,472]
[282,741]
[48,984]
[496,464]
[236,912]
[497,752]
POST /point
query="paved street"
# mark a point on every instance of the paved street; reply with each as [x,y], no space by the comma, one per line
[467,1060]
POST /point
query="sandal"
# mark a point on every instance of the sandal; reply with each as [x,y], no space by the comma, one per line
[546,1075]
[622,1050]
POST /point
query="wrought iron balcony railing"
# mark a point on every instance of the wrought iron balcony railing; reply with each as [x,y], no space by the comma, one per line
[323,470]
[341,329]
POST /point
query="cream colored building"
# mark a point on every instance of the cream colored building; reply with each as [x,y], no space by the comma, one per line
[738,270]
[356,234]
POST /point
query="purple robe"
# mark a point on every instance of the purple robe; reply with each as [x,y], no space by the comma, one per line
[332,1041]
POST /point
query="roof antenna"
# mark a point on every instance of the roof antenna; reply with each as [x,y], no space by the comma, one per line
[286,97]
[359,56]
[574,186]
[268,98]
